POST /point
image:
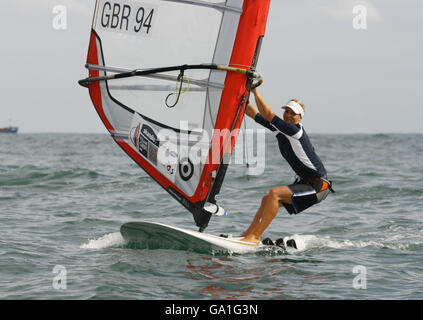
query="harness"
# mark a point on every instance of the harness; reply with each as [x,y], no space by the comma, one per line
[329,184]
[325,187]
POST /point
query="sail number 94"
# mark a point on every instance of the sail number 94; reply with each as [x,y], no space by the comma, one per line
[126,17]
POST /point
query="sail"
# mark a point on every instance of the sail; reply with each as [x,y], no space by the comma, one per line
[170,80]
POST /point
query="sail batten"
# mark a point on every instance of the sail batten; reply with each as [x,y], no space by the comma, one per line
[202,83]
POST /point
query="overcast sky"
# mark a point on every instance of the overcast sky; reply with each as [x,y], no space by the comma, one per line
[352,81]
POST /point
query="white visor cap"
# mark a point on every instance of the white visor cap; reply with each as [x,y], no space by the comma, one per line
[294,106]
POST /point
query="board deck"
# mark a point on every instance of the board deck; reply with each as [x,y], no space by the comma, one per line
[157,235]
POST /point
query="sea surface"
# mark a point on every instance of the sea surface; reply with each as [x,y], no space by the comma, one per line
[63,198]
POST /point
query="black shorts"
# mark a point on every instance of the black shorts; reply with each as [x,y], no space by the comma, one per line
[306,193]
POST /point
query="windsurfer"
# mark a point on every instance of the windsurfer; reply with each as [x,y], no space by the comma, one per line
[311,185]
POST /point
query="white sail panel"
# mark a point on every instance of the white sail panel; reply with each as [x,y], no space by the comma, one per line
[171,33]
[180,33]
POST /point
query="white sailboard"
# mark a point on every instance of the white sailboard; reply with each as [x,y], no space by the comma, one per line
[161,236]
[154,235]
[170,80]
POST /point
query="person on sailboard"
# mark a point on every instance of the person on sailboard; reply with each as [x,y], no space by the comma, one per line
[311,185]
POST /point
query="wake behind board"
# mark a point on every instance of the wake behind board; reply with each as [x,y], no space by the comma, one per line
[155,235]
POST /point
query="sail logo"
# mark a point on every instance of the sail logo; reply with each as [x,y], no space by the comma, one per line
[148,143]
[145,141]
[135,136]
[128,17]
[168,158]
[149,134]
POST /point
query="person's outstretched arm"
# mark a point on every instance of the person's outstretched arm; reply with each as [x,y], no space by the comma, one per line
[264,109]
[257,117]
[251,111]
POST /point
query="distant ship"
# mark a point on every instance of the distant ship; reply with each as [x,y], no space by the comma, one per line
[9,130]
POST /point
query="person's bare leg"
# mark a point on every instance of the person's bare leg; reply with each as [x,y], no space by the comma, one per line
[270,209]
[257,218]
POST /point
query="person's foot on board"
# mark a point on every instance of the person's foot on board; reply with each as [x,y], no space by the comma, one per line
[251,238]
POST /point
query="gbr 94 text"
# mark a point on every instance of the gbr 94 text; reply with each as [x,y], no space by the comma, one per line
[127,17]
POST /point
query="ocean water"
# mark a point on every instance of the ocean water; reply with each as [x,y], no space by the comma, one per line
[63,198]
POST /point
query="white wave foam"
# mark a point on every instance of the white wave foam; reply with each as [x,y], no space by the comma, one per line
[306,242]
[109,240]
